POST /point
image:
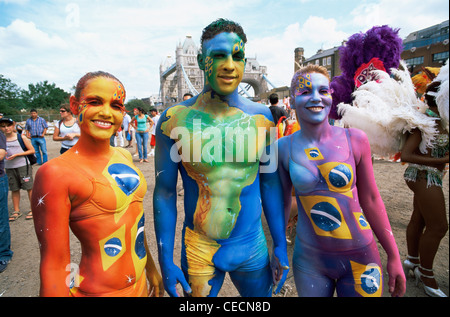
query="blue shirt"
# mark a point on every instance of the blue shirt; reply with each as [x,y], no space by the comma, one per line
[36,127]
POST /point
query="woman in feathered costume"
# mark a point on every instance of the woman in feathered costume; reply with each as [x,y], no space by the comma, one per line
[423,79]
[380,47]
[428,224]
[372,94]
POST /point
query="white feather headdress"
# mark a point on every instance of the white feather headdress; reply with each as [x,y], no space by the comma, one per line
[442,95]
[385,109]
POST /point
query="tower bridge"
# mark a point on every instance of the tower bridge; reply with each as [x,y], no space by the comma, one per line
[182,75]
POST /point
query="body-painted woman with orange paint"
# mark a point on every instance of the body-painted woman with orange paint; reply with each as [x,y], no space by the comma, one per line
[96,191]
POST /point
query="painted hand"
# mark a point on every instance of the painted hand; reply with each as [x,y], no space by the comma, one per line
[156,284]
[280,268]
[172,275]
[397,280]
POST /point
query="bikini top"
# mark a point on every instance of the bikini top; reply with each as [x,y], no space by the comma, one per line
[121,186]
[336,177]
[440,146]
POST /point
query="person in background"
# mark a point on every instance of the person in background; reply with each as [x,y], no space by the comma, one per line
[279,115]
[118,139]
[187,96]
[67,130]
[127,129]
[5,233]
[18,168]
[133,130]
[36,128]
[155,118]
[142,129]
[428,224]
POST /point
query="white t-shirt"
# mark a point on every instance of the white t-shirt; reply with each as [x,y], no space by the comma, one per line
[63,130]
[126,122]
[155,121]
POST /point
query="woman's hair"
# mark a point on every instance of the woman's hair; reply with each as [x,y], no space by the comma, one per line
[82,82]
[140,109]
[66,107]
[431,98]
[311,68]
[91,75]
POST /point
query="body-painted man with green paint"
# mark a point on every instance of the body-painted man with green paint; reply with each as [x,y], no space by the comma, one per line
[222,146]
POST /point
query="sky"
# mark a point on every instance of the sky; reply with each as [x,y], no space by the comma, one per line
[59,41]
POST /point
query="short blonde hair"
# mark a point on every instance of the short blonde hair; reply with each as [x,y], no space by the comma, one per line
[311,68]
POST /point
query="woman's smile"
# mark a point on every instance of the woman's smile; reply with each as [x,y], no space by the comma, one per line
[102,124]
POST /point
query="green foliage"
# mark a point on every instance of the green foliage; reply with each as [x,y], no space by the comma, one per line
[10,100]
[42,95]
[134,103]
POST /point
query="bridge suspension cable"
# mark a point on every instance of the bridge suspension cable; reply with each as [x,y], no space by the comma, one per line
[244,90]
[268,81]
[188,82]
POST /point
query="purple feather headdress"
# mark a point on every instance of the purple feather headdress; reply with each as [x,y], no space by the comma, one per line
[381,42]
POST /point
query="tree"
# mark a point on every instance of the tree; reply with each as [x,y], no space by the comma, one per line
[134,103]
[44,96]
[10,96]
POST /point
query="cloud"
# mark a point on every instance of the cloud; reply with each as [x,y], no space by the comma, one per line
[130,38]
[21,2]
[277,51]
[28,54]
[406,15]
[27,36]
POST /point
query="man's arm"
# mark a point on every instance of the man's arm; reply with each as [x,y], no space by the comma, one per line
[165,211]
[27,129]
[273,206]
[45,125]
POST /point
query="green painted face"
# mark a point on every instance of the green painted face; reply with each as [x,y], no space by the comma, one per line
[223,60]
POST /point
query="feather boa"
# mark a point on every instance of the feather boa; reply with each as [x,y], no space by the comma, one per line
[386,109]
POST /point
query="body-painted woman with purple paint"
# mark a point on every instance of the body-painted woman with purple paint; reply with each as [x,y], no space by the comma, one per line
[224,192]
[339,206]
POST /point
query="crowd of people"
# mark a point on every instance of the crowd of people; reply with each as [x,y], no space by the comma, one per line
[320,172]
